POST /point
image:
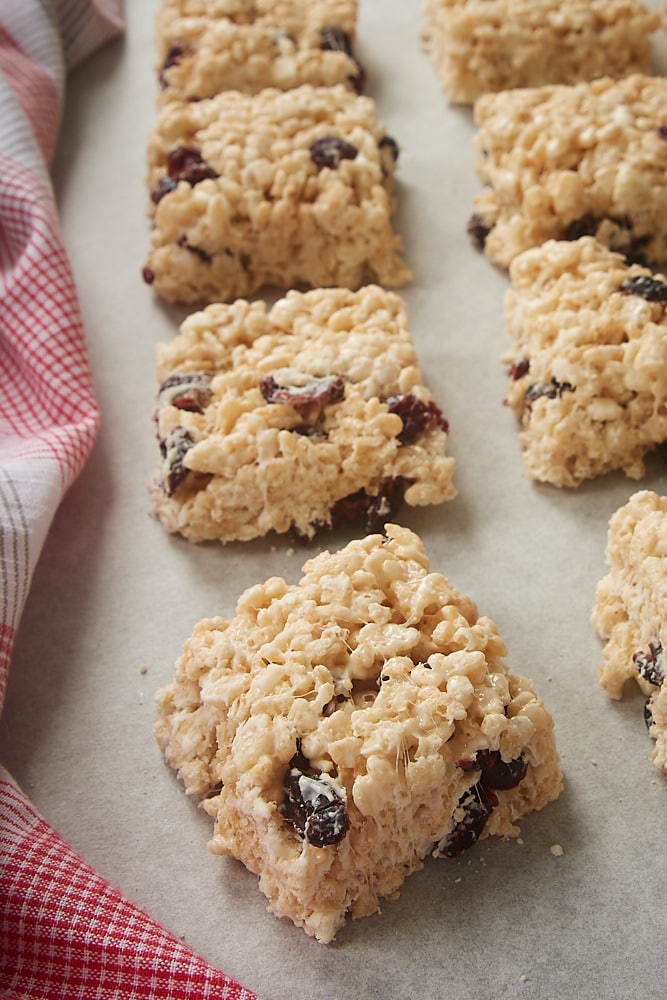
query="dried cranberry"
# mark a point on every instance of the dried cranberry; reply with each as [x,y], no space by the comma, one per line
[477,803]
[550,390]
[203,255]
[650,663]
[375,510]
[164,186]
[662,131]
[313,806]
[586,225]
[185,163]
[519,369]
[322,391]
[174,448]
[389,153]
[335,39]
[651,289]
[632,248]
[172,58]
[148,275]
[500,774]
[478,230]
[187,391]
[417,416]
[329,150]
[385,505]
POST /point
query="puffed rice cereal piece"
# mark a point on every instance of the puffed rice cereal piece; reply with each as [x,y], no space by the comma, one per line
[484,46]
[340,730]
[588,361]
[630,611]
[283,188]
[309,414]
[248,45]
[560,162]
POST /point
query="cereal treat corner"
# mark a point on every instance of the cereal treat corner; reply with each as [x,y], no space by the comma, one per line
[341,729]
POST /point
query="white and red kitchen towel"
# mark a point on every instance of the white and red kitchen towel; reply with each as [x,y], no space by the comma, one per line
[64,931]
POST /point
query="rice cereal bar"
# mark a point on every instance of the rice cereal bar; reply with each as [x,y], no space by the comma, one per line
[341,729]
[308,415]
[248,45]
[588,362]
[482,46]
[559,162]
[630,611]
[284,188]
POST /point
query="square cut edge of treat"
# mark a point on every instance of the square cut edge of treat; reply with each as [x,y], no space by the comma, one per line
[587,363]
[276,190]
[341,729]
[630,611]
[295,418]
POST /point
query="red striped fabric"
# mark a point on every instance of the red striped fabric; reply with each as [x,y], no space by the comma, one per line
[64,931]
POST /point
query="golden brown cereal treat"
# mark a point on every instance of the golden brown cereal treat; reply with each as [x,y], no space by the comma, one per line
[282,188]
[310,414]
[560,162]
[482,46]
[341,729]
[588,363]
[248,45]
[630,610]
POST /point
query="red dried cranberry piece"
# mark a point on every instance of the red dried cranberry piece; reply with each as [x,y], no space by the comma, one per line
[203,255]
[187,391]
[386,504]
[174,448]
[477,230]
[519,369]
[335,39]
[322,391]
[148,275]
[478,803]
[586,225]
[172,58]
[632,248]
[329,150]
[500,774]
[651,289]
[185,163]
[389,153]
[650,663]
[375,510]
[662,131]
[163,187]
[648,713]
[312,806]
[550,390]
[416,415]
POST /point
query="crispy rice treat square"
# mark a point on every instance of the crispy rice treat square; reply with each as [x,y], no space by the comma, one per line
[484,46]
[341,729]
[560,162]
[249,45]
[588,361]
[309,414]
[630,611]
[284,188]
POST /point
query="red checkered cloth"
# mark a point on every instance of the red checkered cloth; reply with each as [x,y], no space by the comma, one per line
[64,931]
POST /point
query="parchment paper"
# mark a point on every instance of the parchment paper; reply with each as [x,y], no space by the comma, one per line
[114,598]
